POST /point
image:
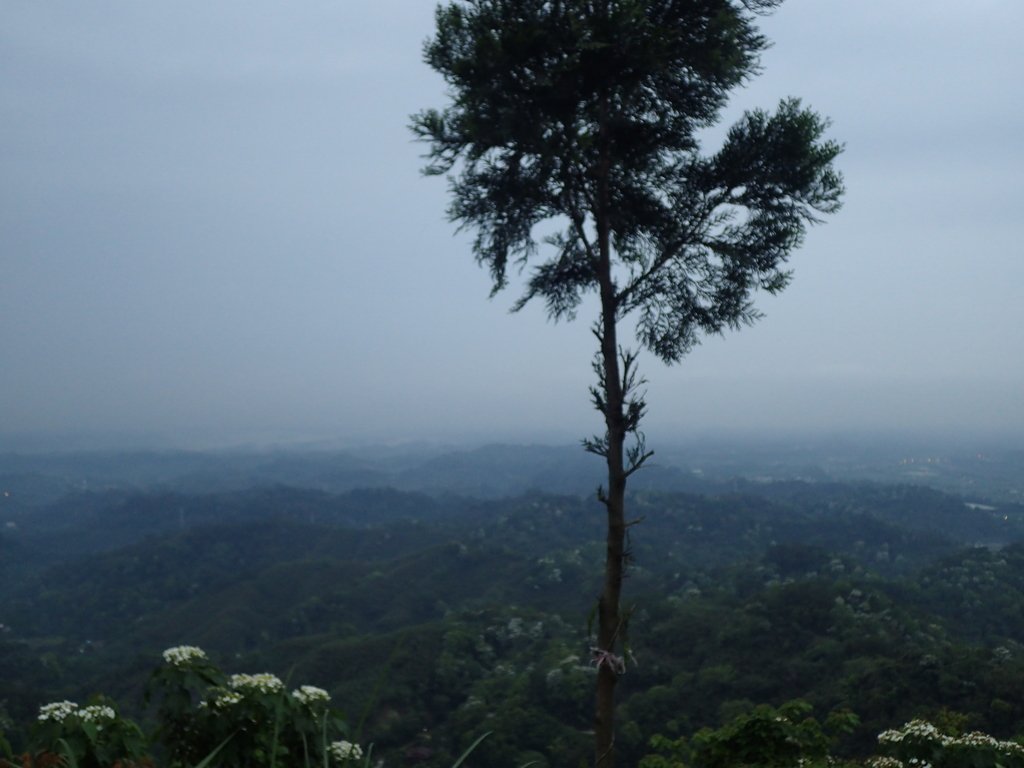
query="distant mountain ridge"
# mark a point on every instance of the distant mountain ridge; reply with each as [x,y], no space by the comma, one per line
[497,470]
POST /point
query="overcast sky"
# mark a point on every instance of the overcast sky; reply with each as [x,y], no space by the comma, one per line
[213,230]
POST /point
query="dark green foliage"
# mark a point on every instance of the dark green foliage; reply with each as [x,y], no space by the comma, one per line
[981,589]
[765,737]
[474,623]
[589,115]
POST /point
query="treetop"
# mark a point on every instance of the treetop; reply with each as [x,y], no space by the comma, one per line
[586,117]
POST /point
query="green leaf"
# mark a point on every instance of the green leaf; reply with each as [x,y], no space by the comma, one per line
[209,758]
[69,753]
[469,751]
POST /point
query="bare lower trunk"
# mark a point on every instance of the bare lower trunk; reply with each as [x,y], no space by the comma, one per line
[609,618]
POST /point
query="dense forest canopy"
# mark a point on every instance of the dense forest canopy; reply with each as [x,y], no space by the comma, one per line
[449,616]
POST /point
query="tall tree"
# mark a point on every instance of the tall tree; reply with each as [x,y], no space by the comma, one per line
[586,116]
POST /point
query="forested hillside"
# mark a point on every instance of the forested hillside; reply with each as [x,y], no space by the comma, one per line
[441,617]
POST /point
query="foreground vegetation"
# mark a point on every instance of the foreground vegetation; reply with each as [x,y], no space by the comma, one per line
[205,718]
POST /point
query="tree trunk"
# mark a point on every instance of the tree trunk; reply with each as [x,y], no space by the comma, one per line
[609,619]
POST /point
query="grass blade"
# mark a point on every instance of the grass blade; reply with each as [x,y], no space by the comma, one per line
[469,751]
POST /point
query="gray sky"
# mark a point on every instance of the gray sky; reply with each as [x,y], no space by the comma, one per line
[213,229]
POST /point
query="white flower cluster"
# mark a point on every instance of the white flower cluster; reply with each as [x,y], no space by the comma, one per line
[884,762]
[310,694]
[346,750]
[917,730]
[922,730]
[227,699]
[96,713]
[183,655]
[261,683]
[57,711]
[978,739]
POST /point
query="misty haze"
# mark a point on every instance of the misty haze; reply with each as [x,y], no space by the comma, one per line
[511,383]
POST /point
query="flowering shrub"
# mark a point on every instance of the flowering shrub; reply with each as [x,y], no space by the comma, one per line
[919,744]
[93,736]
[205,719]
[788,736]
[248,720]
